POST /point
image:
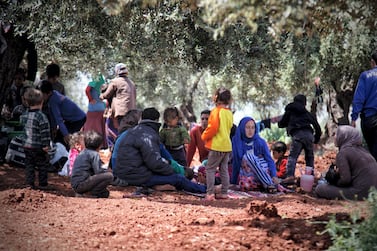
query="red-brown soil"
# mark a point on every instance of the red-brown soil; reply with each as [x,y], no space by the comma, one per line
[55,220]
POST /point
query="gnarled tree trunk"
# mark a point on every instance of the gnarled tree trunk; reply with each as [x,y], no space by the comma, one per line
[12,52]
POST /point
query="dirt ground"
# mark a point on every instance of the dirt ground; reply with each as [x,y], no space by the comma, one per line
[56,220]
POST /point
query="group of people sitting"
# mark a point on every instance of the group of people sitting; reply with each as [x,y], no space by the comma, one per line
[146,155]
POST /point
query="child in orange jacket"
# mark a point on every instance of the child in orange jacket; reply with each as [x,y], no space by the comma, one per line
[217,141]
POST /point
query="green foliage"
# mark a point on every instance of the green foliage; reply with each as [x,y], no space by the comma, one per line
[274,134]
[355,235]
[264,51]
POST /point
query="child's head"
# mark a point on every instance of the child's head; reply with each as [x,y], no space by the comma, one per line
[278,149]
[33,97]
[222,96]
[76,141]
[19,77]
[93,140]
[129,120]
[171,116]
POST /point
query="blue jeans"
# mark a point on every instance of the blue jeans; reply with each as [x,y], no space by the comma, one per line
[300,140]
[178,181]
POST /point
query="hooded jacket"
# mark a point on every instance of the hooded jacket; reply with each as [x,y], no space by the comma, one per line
[296,118]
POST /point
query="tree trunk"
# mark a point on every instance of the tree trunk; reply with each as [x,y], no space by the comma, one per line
[338,107]
[11,55]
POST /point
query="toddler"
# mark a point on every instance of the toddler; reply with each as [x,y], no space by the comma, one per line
[174,136]
[37,141]
[76,144]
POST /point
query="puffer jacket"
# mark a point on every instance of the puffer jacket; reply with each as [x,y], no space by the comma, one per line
[139,154]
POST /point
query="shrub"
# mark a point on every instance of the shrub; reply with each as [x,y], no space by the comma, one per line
[356,234]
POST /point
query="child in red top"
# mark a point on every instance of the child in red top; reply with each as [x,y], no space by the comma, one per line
[278,152]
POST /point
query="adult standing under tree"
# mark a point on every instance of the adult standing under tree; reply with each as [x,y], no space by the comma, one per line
[65,115]
[96,108]
[123,93]
[53,74]
[365,103]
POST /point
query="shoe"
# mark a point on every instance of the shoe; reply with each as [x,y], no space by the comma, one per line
[221,196]
[210,197]
[271,189]
[79,195]
[119,182]
[165,187]
[46,188]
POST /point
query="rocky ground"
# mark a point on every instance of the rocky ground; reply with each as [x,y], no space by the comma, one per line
[56,220]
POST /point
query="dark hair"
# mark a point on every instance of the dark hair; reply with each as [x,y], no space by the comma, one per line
[93,140]
[129,120]
[150,113]
[52,70]
[279,146]
[208,112]
[374,56]
[223,96]
[171,113]
[46,86]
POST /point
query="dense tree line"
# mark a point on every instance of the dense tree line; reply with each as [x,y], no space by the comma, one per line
[178,52]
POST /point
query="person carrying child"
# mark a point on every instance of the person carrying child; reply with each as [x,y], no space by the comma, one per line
[37,140]
[217,141]
[88,176]
[174,136]
[279,149]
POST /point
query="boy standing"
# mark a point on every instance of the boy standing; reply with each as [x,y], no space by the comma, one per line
[37,142]
[217,141]
[88,174]
[299,123]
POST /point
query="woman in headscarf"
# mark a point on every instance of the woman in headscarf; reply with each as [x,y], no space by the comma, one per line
[356,167]
[253,166]
[96,107]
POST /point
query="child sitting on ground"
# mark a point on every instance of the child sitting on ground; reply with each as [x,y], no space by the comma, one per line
[88,174]
[279,149]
